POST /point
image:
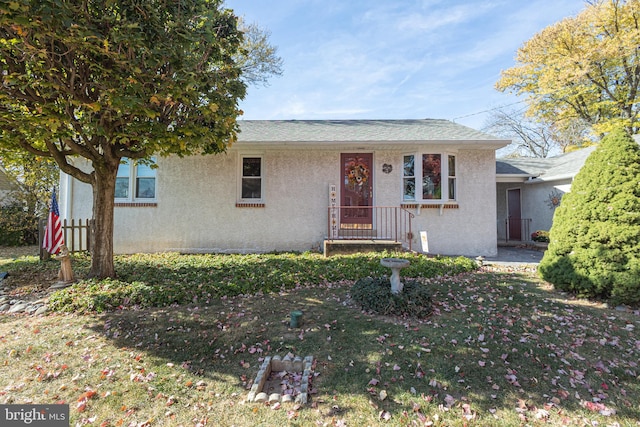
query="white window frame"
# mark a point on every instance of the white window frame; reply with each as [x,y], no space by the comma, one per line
[445,178]
[133,183]
[452,177]
[241,177]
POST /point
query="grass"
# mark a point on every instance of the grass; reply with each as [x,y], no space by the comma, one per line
[501,349]
[158,280]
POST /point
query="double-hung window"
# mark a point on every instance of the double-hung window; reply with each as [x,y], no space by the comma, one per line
[252,179]
[429,177]
[135,181]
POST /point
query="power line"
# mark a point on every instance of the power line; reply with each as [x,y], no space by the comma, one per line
[489,110]
[629,52]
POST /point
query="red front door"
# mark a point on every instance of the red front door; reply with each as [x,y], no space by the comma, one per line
[515,214]
[356,190]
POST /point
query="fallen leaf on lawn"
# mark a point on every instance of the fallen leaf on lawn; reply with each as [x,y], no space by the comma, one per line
[382,395]
[512,379]
[449,400]
[599,407]
[467,412]
[86,395]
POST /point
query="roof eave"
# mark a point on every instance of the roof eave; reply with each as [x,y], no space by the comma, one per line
[511,177]
[466,144]
[541,179]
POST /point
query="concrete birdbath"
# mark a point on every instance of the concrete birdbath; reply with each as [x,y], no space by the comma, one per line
[395,264]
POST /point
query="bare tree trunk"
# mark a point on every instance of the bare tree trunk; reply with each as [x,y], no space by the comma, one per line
[104,187]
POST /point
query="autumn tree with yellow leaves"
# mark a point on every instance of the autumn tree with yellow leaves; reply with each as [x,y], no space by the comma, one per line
[583,68]
[107,80]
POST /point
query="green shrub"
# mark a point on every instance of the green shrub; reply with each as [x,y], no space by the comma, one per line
[101,296]
[595,237]
[374,295]
[10,237]
[17,227]
[160,280]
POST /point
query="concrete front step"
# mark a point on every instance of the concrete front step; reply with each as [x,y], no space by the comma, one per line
[336,247]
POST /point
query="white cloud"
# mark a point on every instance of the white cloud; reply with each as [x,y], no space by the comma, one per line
[401,58]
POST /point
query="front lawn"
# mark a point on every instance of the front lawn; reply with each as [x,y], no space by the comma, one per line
[500,349]
[159,280]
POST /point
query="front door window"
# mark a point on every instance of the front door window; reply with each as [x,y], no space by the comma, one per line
[357,190]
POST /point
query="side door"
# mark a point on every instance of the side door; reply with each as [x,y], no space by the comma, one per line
[514,214]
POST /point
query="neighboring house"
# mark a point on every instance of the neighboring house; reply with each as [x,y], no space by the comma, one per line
[7,186]
[530,189]
[272,190]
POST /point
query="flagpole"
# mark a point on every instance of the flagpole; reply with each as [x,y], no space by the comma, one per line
[53,238]
[53,243]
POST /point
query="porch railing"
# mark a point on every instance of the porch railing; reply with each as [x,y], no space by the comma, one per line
[518,229]
[370,223]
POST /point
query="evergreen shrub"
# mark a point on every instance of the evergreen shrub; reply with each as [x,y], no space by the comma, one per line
[595,237]
[374,295]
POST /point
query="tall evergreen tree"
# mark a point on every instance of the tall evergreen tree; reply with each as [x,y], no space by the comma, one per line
[595,237]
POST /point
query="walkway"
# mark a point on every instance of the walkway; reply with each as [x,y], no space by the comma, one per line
[512,255]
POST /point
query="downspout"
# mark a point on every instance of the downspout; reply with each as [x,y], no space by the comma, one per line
[68,194]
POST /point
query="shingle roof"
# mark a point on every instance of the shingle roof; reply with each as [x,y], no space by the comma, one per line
[550,169]
[567,165]
[357,130]
[522,166]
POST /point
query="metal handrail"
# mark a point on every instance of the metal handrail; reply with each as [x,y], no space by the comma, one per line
[383,223]
[523,224]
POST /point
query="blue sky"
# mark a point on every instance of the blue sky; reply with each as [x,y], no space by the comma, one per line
[393,59]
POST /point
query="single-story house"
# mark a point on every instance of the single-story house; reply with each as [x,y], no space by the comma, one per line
[295,184]
[7,186]
[530,189]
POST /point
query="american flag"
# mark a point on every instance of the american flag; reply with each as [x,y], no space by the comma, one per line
[53,233]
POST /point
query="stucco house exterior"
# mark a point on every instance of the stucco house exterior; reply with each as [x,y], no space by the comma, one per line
[294,184]
[530,189]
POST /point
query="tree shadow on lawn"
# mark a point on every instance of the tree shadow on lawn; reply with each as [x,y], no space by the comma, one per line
[498,343]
